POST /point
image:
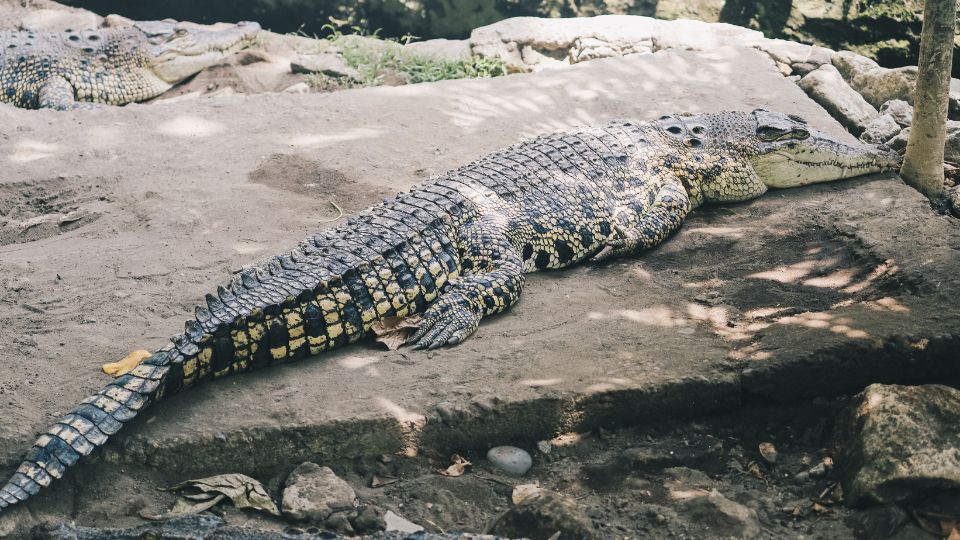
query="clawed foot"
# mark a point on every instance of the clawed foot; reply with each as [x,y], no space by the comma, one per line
[447,322]
[125,364]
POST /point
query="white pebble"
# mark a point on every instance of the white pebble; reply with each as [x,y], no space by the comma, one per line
[510,459]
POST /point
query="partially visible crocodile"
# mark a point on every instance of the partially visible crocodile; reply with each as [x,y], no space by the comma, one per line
[456,249]
[113,66]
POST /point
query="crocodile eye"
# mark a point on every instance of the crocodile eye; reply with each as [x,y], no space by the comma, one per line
[800,134]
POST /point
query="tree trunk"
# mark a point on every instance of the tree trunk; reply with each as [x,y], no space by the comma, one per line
[923,163]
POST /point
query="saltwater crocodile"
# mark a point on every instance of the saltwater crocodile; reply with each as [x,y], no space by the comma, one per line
[112,66]
[456,249]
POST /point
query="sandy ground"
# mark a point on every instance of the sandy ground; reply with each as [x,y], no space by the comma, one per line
[114,222]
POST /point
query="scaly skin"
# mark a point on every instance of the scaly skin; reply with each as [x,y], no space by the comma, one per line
[116,66]
[456,249]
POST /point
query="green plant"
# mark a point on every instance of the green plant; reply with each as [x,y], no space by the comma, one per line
[374,58]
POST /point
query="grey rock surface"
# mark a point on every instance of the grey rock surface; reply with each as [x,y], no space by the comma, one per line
[951,146]
[532,44]
[828,88]
[328,64]
[723,517]
[900,443]
[313,493]
[901,111]
[881,129]
[899,142]
[541,515]
[450,50]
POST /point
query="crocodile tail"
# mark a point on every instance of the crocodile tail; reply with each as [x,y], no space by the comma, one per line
[87,426]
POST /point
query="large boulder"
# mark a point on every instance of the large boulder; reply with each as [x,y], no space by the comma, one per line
[876,84]
[531,44]
[827,87]
[900,443]
[449,50]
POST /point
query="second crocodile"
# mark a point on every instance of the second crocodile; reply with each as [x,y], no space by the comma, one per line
[111,66]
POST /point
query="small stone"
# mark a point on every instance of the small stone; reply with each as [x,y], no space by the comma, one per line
[370,519]
[394,522]
[339,522]
[802,68]
[314,493]
[768,452]
[510,459]
[878,522]
[899,142]
[541,515]
[544,447]
[299,88]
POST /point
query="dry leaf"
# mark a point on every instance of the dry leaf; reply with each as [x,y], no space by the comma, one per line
[245,492]
[393,331]
[935,523]
[125,364]
[524,492]
[458,467]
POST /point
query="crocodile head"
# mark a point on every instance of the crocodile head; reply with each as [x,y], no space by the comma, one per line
[789,153]
[178,50]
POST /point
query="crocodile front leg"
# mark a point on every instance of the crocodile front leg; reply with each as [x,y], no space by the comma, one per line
[57,93]
[490,282]
[636,231]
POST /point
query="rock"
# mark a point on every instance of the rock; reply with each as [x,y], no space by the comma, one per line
[900,110]
[531,44]
[299,88]
[721,516]
[370,519]
[450,50]
[328,64]
[510,459]
[900,443]
[339,522]
[791,52]
[899,143]
[541,516]
[827,87]
[394,522]
[876,84]
[951,149]
[802,68]
[768,452]
[880,130]
[314,493]
[878,522]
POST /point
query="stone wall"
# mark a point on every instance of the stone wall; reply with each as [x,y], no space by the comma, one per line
[884,30]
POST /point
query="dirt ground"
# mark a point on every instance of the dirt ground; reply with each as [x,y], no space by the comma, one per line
[114,222]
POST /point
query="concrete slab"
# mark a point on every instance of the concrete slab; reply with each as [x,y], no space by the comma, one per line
[118,220]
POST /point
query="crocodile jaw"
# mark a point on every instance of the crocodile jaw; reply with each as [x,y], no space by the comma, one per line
[180,50]
[821,159]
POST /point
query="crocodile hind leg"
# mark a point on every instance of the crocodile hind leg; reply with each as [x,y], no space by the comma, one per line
[639,231]
[492,277]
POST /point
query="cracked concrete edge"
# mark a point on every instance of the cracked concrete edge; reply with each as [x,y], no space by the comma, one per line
[834,370]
